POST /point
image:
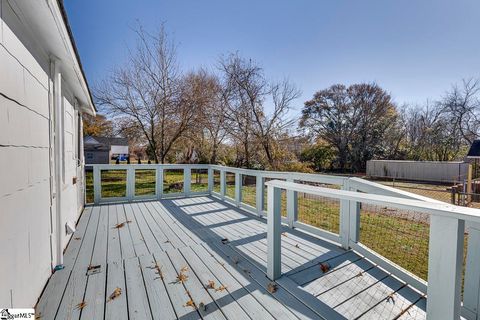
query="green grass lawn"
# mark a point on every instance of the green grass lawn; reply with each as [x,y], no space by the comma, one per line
[399,237]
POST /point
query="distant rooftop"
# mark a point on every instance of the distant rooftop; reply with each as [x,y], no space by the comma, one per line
[107,141]
[474,151]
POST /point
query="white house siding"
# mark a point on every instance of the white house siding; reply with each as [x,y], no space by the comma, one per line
[119,149]
[25,191]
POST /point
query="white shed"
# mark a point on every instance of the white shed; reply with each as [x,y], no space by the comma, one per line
[43,92]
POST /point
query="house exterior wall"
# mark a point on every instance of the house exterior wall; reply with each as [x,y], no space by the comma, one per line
[118,150]
[97,157]
[27,229]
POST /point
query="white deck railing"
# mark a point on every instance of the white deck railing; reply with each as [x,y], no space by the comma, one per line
[246,189]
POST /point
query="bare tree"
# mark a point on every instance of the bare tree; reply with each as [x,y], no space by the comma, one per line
[148,91]
[463,104]
[245,95]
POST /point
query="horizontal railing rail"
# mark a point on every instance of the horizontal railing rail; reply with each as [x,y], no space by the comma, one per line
[128,179]
[331,207]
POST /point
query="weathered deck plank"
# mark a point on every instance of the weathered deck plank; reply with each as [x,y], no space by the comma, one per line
[154,283]
[138,241]
[74,293]
[215,288]
[160,240]
[176,290]
[49,301]
[138,303]
[114,247]
[243,297]
[116,302]
[393,306]
[95,290]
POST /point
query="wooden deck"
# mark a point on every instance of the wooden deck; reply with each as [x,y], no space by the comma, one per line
[200,258]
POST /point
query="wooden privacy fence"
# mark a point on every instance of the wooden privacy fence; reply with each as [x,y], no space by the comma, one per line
[420,240]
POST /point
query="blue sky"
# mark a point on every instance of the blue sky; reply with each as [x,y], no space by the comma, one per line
[414,49]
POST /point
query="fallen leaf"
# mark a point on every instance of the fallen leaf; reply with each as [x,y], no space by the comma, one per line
[225,241]
[297,246]
[211,284]
[284,234]
[184,269]
[190,303]
[272,287]
[121,225]
[77,238]
[116,293]
[221,288]
[324,267]
[81,305]
[202,306]
[182,278]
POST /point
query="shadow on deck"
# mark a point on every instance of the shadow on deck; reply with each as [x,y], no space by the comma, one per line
[193,258]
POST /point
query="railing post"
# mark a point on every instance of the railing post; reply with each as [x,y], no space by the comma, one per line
[238,188]
[97,185]
[274,230]
[445,268]
[471,291]
[159,182]
[187,180]
[130,182]
[210,180]
[259,193]
[223,183]
[349,219]
[292,206]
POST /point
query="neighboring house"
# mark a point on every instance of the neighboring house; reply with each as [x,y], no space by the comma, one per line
[103,149]
[43,93]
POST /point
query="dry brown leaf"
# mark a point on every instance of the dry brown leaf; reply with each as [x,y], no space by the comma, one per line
[211,284]
[324,267]
[182,278]
[284,234]
[115,294]
[190,303]
[221,288]
[184,269]
[272,287]
[121,225]
[81,305]
[77,238]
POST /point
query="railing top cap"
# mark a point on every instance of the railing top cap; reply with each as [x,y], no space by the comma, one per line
[433,208]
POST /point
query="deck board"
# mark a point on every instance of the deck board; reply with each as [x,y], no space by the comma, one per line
[158,240]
